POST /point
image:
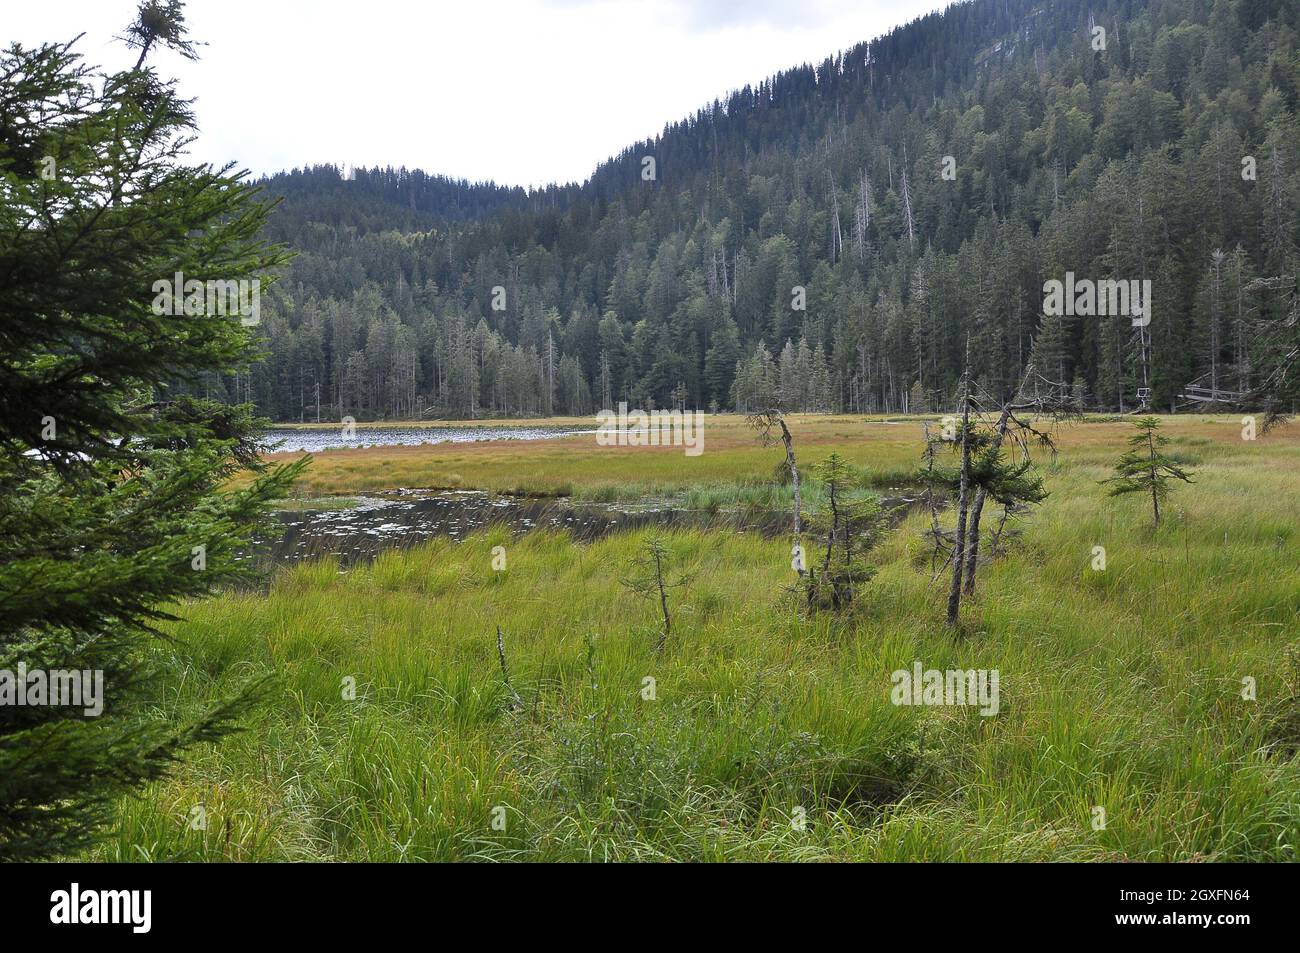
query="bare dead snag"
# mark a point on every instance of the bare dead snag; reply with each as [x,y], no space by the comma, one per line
[959,547]
[1009,423]
[788,441]
[516,703]
[764,423]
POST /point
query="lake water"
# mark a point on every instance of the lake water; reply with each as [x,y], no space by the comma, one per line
[402,518]
[405,518]
[285,440]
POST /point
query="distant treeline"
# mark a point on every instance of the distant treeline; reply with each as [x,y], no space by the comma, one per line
[1167,156]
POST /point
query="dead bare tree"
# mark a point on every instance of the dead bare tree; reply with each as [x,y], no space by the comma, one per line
[837,236]
[862,216]
[907,204]
[765,423]
[1014,418]
[1010,511]
[516,703]
[959,540]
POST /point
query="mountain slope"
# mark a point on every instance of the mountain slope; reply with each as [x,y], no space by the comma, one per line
[920,188]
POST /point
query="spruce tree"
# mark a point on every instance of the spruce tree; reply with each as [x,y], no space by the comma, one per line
[1144,468]
[851,524]
[116,491]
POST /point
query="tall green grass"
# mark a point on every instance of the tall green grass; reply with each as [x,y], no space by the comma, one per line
[771,735]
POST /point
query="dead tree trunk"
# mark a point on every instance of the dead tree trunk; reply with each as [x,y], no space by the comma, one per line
[763,424]
[516,703]
[959,545]
[788,441]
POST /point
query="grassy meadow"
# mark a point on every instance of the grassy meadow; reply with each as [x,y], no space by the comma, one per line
[766,733]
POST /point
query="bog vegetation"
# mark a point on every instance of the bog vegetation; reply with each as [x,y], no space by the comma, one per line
[762,727]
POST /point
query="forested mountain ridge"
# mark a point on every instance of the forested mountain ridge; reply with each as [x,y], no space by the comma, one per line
[375,200]
[414,295]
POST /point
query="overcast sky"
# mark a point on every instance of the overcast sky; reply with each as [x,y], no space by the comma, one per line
[524,92]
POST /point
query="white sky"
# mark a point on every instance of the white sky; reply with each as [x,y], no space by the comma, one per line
[525,92]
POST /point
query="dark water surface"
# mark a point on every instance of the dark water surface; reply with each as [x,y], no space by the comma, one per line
[404,518]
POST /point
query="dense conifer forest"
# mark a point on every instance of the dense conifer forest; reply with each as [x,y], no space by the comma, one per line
[830,238]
